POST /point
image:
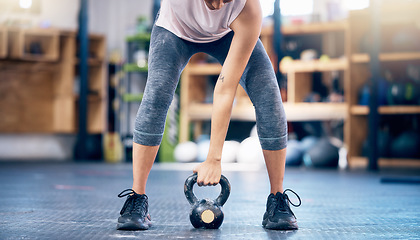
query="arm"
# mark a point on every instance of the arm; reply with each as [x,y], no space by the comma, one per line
[247,28]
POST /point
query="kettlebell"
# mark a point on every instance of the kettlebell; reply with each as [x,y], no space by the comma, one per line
[206,213]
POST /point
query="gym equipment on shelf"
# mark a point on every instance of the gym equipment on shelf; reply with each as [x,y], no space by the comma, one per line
[406,145]
[250,151]
[322,155]
[186,152]
[294,153]
[230,148]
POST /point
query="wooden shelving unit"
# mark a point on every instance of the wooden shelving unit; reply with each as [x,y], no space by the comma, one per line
[386,57]
[64,118]
[204,69]
[37,90]
[314,65]
[193,85]
[294,111]
[3,42]
[97,101]
[361,162]
[391,110]
[353,66]
[34,44]
[310,28]
[299,75]
[394,15]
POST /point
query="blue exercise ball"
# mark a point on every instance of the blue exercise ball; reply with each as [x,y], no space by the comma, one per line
[406,145]
[294,153]
[322,155]
[308,142]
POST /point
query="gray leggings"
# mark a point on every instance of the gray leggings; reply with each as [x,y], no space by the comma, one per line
[169,54]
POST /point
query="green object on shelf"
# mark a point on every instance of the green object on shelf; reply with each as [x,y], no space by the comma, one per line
[131,67]
[140,37]
[130,97]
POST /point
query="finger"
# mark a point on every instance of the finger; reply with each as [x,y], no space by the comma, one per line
[199,181]
[215,182]
[205,182]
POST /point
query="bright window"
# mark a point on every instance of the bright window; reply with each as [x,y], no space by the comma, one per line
[356,4]
[25,3]
[267,7]
[288,7]
[296,7]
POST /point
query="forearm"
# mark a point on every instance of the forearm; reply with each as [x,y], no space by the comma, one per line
[222,108]
[247,29]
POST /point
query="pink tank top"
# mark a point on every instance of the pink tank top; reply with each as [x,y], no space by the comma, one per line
[193,21]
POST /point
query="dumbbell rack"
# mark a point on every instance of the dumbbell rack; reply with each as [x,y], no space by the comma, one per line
[364,65]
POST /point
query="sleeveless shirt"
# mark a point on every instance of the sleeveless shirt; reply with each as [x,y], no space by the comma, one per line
[193,21]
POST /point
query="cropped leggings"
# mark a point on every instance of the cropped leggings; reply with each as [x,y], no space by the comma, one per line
[169,54]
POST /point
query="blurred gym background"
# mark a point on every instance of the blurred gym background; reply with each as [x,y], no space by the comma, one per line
[72,74]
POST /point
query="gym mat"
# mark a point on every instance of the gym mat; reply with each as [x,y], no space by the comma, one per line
[79,201]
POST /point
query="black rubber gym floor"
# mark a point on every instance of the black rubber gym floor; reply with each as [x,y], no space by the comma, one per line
[79,201]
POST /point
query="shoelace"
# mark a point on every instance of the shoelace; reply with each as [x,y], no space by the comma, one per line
[288,199]
[281,204]
[136,203]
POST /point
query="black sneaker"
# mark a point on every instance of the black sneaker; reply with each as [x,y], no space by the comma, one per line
[135,212]
[278,215]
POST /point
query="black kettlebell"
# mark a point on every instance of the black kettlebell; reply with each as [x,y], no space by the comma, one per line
[206,213]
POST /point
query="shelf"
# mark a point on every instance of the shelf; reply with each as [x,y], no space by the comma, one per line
[386,57]
[204,69]
[315,111]
[43,66]
[97,46]
[362,162]
[314,65]
[202,111]
[34,44]
[132,97]
[3,42]
[38,58]
[294,111]
[402,109]
[131,67]
[310,28]
[90,98]
[92,62]
[140,37]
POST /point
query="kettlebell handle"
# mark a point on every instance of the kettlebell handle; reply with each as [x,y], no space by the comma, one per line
[220,200]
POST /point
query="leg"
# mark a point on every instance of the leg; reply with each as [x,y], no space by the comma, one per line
[168,56]
[275,162]
[143,159]
[260,83]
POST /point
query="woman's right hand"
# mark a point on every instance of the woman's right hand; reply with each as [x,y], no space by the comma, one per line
[208,172]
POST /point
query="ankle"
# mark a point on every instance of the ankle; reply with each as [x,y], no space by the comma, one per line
[139,190]
[276,190]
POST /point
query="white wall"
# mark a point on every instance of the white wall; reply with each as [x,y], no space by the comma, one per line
[116,19]
[36,147]
[61,14]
